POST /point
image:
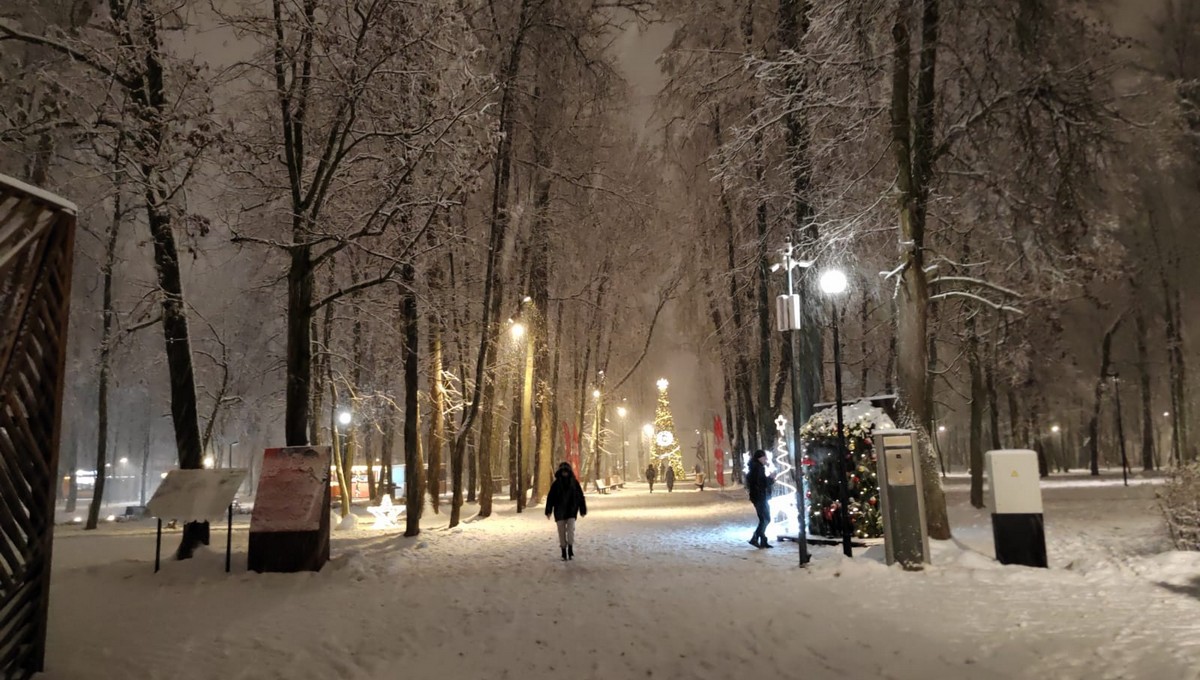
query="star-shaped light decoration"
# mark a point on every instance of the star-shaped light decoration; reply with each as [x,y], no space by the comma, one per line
[780,423]
[385,513]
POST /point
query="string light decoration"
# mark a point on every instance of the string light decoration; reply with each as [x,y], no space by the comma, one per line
[783,499]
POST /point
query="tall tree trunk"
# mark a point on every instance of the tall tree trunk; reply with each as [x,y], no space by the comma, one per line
[978,395]
[413,465]
[1094,424]
[437,426]
[912,143]
[1144,376]
[106,342]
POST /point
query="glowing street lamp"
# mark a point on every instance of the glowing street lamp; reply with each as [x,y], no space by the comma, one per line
[345,418]
[209,462]
[833,283]
[517,330]
[1055,429]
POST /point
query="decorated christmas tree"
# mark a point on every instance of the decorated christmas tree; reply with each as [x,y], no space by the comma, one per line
[820,444]
[665,446]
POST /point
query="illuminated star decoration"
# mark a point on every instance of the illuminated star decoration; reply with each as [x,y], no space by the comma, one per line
[783,503]
[385,513]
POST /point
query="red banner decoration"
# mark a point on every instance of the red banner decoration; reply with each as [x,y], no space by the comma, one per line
[718,450]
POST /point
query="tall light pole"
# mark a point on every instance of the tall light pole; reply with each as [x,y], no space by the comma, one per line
[596,435]
[621,413]
[833,283]
[1062,455]
[525,416]
[1116,380]
[648,432]
[788,311]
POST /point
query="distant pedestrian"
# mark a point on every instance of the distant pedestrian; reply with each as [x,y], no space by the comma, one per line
[650,476]
[699,478]
[670,478]
[758,485]
[566,501]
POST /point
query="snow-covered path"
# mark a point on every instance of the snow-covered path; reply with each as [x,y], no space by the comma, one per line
[664,586]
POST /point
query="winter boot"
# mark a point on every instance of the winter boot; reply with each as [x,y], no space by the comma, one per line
[764,544]
[754,540]
[570,552]
[564,554]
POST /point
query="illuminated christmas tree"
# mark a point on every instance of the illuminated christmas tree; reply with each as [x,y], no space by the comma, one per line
[820,440]
[666,445]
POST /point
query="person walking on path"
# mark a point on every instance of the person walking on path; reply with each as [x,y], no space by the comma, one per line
[758,485]
[650,475]
[670,478]
[699,478]
[566,501]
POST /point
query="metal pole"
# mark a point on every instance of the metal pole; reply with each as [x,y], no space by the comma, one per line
[797,468]
[229,538]
[843,484]
[1121,431]
[525,422]
[624,453]
[158,545]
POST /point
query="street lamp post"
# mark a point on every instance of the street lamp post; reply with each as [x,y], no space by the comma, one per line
[525,416]
[596,436]
[791,325]
[648,431]
[1116,379]
[833,282]
[622,412]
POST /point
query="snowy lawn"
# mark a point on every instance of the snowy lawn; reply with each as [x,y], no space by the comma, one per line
[663,586]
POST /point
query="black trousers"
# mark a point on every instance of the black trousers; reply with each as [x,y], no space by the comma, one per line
[763,509]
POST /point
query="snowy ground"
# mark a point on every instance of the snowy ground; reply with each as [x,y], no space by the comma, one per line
[664,586]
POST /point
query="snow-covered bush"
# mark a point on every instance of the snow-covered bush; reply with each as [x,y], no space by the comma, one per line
[1180,502]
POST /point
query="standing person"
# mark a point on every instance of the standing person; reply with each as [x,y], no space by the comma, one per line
[699,478]
[650,475]
[566,501]
[758,485]
[670,478]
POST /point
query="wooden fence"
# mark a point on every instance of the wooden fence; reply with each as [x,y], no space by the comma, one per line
[37,231]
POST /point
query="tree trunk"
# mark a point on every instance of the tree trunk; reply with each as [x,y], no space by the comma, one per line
[978,395]
[299,347]
[437,426]
[413,465]
[912,143]
[106,342]
[1144,376]
[1102,378]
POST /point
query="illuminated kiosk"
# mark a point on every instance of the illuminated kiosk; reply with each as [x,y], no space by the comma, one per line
[818,448]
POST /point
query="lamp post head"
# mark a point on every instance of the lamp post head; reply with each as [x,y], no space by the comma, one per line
[941,428]
[517,330]
[124,461]
[833,282]
[596,394]
[1056,429]
[621,411]
[344,418]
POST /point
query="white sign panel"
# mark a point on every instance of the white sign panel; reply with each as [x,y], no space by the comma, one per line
[195,495]
[1014,482]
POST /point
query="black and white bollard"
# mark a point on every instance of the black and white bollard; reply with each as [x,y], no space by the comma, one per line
[1018,528]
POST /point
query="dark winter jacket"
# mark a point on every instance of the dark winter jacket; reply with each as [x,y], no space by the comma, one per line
[670,475]
[650,474]
[565,499]
[758,482]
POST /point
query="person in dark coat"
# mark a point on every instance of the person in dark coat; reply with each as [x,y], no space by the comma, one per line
[566,501]
[670,478]
[758,485]
[650,476]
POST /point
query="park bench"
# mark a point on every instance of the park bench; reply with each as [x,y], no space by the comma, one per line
[616,482]
[600,487]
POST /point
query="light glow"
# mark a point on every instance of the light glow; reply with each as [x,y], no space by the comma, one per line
[663,384]
[622,411]
[941,428]
[209,462]
[595,394]
[648,430]
[124,461]
[344,418]
[517,330]
[833,282]
[385,513]
[1056,429]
